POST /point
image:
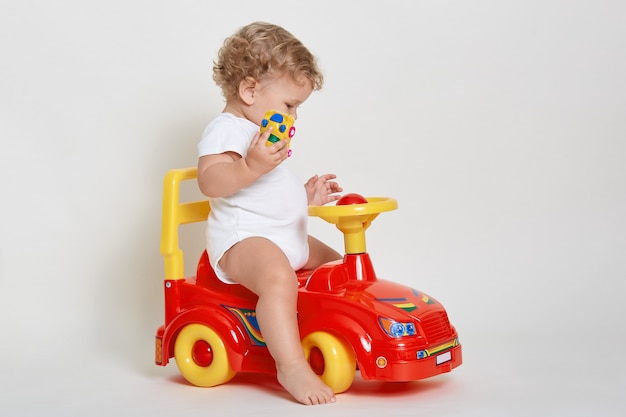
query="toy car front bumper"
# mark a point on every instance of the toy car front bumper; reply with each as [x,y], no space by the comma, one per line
[411,364]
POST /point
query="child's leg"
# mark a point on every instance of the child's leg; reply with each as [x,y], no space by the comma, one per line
[320,253]
[262,267]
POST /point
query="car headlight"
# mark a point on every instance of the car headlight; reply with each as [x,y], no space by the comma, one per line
[396,329]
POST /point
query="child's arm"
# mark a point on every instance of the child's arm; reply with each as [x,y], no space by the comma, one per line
[224,174]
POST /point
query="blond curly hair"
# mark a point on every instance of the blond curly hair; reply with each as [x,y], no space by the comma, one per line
[262,49]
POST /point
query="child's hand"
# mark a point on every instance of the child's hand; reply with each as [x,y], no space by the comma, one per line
[261,158]
[320,190]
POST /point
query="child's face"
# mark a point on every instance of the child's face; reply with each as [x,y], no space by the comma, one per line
[280,93]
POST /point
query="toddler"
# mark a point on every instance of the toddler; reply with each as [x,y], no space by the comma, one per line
[257,228]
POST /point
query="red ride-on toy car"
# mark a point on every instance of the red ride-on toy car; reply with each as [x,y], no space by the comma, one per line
[349,318]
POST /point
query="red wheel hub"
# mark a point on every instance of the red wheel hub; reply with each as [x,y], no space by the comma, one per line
[316,360]
[202,353]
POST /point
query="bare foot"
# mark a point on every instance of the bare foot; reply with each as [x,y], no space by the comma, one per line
[304,385]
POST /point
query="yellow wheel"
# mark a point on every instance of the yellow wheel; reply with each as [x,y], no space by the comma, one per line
[201,356]
[331,358]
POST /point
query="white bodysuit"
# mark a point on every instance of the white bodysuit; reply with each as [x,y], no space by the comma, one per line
[274,207]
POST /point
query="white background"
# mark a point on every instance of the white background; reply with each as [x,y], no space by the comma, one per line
[499,126]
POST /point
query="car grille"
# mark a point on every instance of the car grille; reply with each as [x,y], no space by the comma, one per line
[436,326]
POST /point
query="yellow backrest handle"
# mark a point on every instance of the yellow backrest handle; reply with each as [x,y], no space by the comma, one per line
[174,214]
